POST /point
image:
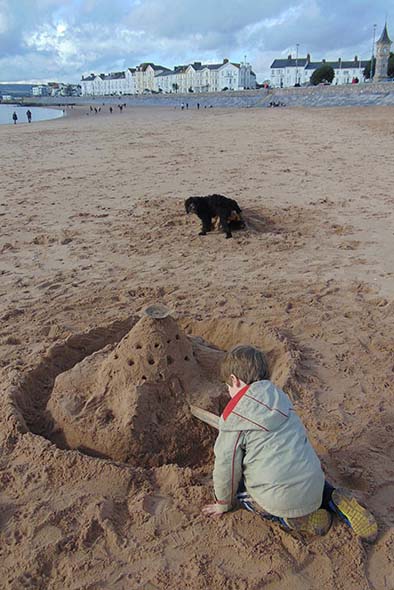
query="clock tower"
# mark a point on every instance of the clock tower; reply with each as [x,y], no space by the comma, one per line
[382,56]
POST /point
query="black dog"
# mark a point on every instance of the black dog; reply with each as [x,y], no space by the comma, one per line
[215,206]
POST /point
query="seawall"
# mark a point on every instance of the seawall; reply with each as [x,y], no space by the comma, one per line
[381,94]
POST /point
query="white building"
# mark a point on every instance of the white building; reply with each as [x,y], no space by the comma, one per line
[149,77]
[288,72]
[41,90]
[197,77]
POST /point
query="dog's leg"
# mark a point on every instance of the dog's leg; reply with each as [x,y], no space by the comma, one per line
[215,222]
[206,225]
[225,225]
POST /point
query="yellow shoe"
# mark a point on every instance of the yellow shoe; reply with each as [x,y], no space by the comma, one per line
[354,515]
[316,523]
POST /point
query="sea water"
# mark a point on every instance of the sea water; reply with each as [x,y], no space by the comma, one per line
[37,114]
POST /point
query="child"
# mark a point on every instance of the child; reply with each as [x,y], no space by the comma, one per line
[264,460]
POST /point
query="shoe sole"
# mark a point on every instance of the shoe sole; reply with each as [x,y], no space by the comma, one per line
[317,523]
[356,516]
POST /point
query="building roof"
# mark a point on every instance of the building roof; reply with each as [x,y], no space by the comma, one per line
[113,76]
[289,63]
[142,67]
[89,78]
[338,65]
[384,37]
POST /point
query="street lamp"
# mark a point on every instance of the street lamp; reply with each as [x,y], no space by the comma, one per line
[373,51]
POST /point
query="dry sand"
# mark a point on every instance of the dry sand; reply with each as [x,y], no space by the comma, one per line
[93,230]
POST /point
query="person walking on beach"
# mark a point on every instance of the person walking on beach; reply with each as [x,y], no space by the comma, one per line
[265,462]
[28,115]
[15,117]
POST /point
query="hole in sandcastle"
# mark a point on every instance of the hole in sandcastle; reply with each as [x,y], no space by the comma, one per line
[151,360]
[138,413]
[138,346]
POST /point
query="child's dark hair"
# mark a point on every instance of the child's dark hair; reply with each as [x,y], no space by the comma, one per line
[245,362]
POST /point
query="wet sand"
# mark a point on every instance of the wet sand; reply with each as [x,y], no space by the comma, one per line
[93,230]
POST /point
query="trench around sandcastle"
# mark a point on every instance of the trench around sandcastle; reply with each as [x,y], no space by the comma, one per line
[124,392]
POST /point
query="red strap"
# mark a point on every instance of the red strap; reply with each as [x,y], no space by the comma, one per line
[233,402]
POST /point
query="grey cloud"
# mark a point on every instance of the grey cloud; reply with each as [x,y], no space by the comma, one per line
[101,35]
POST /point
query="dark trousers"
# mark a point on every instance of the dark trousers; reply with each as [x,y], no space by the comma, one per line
[249,504]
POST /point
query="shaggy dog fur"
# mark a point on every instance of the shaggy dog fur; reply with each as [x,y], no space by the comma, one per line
[212,208]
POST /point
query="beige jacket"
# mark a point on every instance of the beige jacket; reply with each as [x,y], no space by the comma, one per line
[262,439]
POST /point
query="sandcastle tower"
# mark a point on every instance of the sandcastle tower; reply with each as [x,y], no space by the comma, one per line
[382,56]
[131,402]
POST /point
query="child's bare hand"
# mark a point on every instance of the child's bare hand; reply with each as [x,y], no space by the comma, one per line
[213,510]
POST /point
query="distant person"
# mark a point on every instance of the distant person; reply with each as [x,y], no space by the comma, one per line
[198,106]
[182,106]
[91,108]
[110,109]
[28,115]
[187,106]
[15,117]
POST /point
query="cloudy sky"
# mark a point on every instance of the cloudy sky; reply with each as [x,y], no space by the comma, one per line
[45,40]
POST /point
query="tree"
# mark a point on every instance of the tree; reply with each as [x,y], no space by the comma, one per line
[324,74]
[367,69]
[390,68]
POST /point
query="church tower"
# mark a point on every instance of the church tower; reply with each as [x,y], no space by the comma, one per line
[382,56]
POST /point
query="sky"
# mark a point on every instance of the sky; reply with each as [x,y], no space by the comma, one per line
[61,40]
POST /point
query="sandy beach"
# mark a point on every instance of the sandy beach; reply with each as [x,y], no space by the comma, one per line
[93,230]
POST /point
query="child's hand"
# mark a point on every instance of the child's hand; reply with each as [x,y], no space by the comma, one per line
[213,510]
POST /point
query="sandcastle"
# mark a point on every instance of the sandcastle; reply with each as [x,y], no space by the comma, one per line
[131,402]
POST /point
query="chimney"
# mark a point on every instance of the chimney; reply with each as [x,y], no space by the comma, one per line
[289,56]
[355,58]
[225,61]
[339,60]
[308,58]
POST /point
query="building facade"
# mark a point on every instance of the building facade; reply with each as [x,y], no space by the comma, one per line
[289,72]
[149,77]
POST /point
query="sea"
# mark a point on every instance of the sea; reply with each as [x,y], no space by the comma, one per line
[38,114]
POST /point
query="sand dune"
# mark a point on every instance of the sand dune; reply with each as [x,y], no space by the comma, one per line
[92,231]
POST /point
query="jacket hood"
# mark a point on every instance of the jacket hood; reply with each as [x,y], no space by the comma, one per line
[260,406]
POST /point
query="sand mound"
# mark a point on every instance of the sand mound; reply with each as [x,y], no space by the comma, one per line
[123,392]
[131,403]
